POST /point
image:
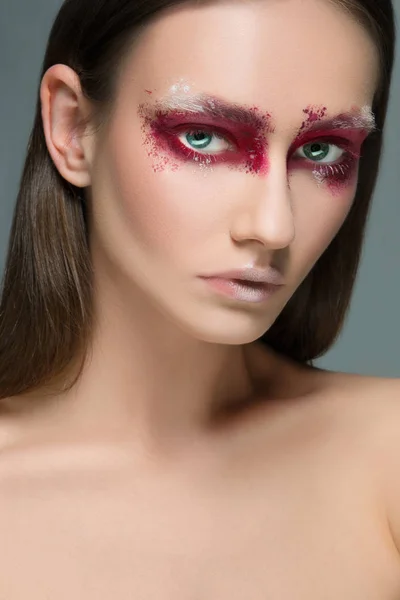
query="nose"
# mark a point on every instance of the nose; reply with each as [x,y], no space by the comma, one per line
[265,210]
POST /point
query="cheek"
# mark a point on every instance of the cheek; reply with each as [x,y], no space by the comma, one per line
[319,211]
[165,212]
[339,180]
[329,188]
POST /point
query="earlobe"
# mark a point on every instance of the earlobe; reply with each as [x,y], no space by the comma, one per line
[63,108]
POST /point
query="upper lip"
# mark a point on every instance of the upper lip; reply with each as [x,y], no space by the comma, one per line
[270,275]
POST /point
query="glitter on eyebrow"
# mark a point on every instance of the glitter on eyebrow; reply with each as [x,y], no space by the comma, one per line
[216,108]
[314,114]
[364,120]
[356,119]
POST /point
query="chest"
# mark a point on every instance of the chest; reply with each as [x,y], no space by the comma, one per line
[301,533]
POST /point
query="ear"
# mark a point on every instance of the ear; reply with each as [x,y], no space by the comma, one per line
[64,108]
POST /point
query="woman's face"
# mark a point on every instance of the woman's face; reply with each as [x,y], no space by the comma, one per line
[234,142]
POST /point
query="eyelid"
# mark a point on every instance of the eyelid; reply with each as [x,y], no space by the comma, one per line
[344,144]
[205,151]
[327,139]
[332,137]
[339,143]
[185,127]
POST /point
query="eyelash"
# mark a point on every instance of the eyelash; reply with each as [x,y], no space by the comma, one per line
[325,170]
[340,170]
[204,156]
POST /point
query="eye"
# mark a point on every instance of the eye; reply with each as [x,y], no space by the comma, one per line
[204,140]
[320,152]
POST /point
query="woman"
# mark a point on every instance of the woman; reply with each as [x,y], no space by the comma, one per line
[185,242]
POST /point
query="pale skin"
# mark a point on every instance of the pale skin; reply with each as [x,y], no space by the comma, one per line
[128,487]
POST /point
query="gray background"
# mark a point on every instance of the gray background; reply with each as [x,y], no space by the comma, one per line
[370,342]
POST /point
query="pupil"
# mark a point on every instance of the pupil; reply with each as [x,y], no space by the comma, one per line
[316,148]
[317,151]
[198,136]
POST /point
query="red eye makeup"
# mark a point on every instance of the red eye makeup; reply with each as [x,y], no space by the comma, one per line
[312,115]
[243,130]
[346,132]
[206,131]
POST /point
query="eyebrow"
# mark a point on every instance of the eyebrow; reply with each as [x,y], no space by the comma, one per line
[217,108]
[363,119]
[212,106]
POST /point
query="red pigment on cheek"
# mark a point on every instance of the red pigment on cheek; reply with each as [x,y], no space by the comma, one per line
[154,149]
[249,144]
[340,181]
[337,177]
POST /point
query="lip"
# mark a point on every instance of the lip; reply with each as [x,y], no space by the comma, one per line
[248,274]
[242,290]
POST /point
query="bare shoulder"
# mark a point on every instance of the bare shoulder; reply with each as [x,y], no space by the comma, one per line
[384,398]
[370,404]
[372,400]
[365,390]
[370,409]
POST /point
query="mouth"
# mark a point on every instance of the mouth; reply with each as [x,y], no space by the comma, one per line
[242,289]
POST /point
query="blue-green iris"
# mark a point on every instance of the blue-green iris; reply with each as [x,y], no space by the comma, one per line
[199,139]
[317,150]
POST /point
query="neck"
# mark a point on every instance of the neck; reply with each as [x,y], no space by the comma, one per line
[155,382]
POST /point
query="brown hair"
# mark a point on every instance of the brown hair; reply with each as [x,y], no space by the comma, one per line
[46,314]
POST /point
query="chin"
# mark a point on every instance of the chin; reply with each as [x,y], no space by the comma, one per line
[234,330]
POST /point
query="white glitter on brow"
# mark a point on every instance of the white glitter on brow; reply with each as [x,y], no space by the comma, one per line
[204,104]
[364,120]
[181,86]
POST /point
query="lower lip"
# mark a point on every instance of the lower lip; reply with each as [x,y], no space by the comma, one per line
[242,290]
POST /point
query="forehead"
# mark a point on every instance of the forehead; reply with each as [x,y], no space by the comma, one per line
[282,55]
